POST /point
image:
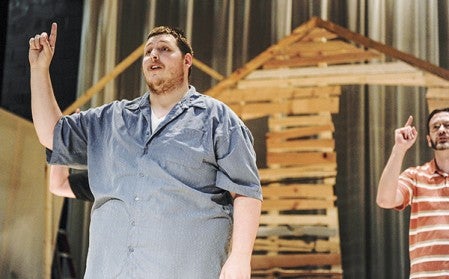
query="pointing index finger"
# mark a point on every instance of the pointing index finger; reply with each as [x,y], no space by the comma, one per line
[53,34]
[409,121]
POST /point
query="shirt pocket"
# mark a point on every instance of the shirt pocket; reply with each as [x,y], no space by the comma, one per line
[185,147]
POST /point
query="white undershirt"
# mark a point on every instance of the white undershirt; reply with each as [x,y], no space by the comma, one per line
[155,121]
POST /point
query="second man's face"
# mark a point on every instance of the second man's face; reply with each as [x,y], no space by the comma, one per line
[438,137]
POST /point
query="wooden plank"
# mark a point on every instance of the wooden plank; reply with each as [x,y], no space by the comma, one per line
[437,93]
[302,120]
[318,259]
[323,246]
[318,35]
[323,145]
[437,104]
[315,48]
[298,190]
[265,108]
[329,59]
[309,171]
[318,231]
[397,67]
[300,158]
[304,219]
[297,204]
[315,105]
[387,50]
[295,133]
[396,79]
[287,107]
[434,80]
[296,245]
[277,94]
[282,245]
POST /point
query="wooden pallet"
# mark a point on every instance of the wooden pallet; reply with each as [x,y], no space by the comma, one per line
[298,235]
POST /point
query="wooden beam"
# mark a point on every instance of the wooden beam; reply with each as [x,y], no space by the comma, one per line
[298,190]
[387,50]
[309,171]
[300,158]
[309,49]
[297,204]
[315,105]
[285,230]
[328,59]
[335,70]
[296,133]
[318,259]
[276,94]
[391,79]
[303,219]
[298,121]
[324,145]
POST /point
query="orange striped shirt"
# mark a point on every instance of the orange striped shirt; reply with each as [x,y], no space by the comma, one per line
[426,189]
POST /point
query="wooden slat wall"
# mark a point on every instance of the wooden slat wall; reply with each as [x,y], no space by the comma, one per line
[298,236]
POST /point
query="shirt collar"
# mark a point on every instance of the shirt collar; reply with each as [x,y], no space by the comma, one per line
[192,98]
[433,168]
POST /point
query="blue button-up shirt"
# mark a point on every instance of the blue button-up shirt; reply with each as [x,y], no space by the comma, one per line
[162,205]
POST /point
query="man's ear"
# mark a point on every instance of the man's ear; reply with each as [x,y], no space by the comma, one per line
[188,59]
[429,144]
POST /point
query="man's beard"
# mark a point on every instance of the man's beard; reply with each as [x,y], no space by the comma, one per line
[439,146]
[161,87]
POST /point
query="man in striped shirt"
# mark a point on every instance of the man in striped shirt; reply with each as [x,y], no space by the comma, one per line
[425,188]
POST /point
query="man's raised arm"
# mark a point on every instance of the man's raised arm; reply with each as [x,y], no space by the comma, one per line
[388,194]
[45,109]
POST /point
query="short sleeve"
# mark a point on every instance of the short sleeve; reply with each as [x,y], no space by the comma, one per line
[236,161]
[69,142]
[406,184]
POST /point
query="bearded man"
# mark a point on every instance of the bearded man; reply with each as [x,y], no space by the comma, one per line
[425,189]
[173,173]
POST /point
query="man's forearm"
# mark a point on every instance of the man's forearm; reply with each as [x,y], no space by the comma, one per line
[45,109]
[246,223]
[387,192]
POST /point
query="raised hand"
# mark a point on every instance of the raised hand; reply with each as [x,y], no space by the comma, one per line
[42,48]
[406,136]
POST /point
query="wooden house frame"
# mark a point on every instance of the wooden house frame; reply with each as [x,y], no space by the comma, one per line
[295,84]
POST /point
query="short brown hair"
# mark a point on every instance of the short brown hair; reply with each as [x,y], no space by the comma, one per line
[177,33]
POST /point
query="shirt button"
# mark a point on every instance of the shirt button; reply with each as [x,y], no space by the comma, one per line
[141,174]
[133,223]
[136,198]
[130,249]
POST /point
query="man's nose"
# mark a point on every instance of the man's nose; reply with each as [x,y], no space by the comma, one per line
[154,55]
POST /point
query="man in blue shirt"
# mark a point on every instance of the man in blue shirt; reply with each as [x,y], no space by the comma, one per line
[173,172]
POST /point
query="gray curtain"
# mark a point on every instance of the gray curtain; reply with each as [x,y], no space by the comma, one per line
[226,34]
